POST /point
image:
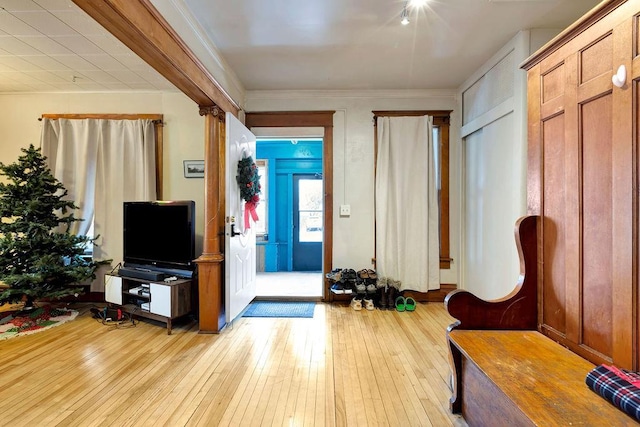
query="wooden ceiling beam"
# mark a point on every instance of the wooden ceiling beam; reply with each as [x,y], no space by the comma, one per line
[289,119]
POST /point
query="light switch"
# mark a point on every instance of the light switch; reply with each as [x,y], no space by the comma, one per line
[345,210]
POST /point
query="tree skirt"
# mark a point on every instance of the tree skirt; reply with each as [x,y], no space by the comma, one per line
[18,323]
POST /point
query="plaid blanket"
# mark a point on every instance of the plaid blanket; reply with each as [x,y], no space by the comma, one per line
[618,386]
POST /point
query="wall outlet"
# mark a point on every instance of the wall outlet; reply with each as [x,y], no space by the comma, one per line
[345,210]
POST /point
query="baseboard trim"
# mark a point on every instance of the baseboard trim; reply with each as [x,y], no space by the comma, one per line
[435,295]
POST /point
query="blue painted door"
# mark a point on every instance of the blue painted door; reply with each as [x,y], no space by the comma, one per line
[307,222]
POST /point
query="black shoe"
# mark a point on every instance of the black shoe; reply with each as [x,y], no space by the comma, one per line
[348,287]
[349,274]
[392,294]
[383,298]
[337,288]
[361,288]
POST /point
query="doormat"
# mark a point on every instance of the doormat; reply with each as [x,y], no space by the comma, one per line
[14,324]
[280,309]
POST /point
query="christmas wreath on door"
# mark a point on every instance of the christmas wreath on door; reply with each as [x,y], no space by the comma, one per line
[249,183]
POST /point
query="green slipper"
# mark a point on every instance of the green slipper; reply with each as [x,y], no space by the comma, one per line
[410,304]
[400,303]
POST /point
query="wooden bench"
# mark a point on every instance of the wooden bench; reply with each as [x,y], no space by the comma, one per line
[507,373]
[519,378]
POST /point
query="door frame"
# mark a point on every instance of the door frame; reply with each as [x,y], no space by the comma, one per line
[322,119]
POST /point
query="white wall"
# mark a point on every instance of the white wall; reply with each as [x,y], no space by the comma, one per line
[183,131]
[183,140]
[353,162]
[492,167]
[494,188]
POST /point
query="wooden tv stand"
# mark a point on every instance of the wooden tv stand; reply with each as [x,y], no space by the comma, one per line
[156,300]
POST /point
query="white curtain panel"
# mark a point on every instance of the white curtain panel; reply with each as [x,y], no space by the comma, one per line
[72,161]
[102,163]
[407,235]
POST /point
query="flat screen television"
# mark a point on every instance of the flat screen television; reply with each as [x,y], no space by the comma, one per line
[160,234]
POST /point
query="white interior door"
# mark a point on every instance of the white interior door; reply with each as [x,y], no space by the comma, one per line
[240,249]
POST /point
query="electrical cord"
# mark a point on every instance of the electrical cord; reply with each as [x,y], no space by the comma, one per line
[115,268]
[113,317]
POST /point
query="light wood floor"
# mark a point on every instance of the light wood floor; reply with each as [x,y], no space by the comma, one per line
[341,368]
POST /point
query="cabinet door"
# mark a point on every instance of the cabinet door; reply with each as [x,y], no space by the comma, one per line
[113,289]
[582,147]
[634,85]
[160,299]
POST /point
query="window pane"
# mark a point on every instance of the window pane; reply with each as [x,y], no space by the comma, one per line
[261,225]
[310,226]
[88,250]
[436,153]
[310,195]
[310,210]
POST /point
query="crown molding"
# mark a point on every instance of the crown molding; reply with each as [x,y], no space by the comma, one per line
[362,94]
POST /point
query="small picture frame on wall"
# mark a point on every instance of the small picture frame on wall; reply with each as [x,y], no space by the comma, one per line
[193,168]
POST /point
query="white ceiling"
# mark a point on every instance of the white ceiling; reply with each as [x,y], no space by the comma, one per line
[51,45]
[360,44]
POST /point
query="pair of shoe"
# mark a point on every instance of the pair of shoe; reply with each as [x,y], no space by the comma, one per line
[364,287]
[335,275]
[388,290]
[357,303]
[405,304]
[349,274]
[340,288]
[367,274]
[341,275]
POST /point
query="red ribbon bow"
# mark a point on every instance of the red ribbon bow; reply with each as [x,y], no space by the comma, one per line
[250,210]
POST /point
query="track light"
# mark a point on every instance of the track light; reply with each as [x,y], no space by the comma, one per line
[404,16]
[413,4]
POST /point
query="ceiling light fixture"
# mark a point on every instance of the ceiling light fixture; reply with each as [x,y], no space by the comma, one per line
[417,3]
[404,16]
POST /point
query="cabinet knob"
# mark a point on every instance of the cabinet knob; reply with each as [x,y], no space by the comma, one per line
[620,77]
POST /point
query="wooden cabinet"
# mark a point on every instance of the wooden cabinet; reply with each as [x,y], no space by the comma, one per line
[582,181]
[162,301]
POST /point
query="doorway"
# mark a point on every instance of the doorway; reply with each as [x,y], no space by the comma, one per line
[290,239]
[312,123]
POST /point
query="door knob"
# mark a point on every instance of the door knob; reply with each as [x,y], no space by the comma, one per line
[233,230]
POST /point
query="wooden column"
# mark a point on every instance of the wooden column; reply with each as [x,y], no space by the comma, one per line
[210,263]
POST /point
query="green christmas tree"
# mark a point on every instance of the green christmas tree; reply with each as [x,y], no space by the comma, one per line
[39,257]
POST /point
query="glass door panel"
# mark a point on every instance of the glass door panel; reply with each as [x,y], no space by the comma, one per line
[308,222]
